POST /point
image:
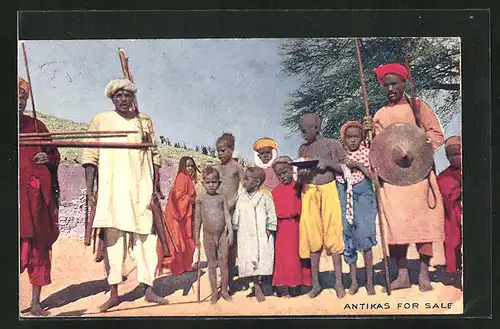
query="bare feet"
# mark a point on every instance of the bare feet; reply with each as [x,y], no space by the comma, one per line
[353,289]
[258,294]
[226,296]
[402,281]
[151,297]
[424,283]
[339,290]
[370,289]
[37,310]
[112,302]
[314,291]
[286,293]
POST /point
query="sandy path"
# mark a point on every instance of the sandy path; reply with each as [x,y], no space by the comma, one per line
[79,287]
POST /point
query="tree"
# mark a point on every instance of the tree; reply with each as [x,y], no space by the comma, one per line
[328,70]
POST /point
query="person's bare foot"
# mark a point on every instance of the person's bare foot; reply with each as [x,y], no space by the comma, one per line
[353,289]
[214,299]
[402,281]
[370,289]
[424,283]
[339,290]
[259,295]
[226,296]
[286,293]
[111,302]
[314,291]
[151,297]
[37,310]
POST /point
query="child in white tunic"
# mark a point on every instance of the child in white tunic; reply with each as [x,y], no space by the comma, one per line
[254,218]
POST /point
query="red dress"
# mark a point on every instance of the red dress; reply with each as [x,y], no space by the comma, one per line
[450,185]
[38,220]
[288,267]
[180,216]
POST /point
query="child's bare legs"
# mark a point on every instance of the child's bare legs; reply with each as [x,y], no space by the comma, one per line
[223,266]
[210,251]
[286,293]
[368,257]
[353,289]
[337,267]
[212,275]
[259,295]
[316,288]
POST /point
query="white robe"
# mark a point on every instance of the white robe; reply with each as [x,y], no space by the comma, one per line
[125,176]
[252,216]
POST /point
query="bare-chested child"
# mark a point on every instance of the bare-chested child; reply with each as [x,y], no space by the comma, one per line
[231,176]
[321,218]
[212,211]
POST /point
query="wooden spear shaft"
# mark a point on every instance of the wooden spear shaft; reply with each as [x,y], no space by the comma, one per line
[30,85]
[375,176]
[74,144]
[86,132]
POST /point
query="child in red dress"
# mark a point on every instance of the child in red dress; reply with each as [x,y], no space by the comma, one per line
[289,270]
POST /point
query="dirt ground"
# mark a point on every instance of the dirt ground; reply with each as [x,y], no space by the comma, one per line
[79,286]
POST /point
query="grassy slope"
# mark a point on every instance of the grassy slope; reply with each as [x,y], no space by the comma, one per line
[170,155]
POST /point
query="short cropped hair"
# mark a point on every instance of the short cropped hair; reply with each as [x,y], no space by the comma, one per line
[257,172]
[210,171]
[227,138]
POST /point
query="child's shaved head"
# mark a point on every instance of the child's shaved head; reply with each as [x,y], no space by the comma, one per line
[257,173]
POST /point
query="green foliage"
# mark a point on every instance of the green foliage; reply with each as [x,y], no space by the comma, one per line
[330,79]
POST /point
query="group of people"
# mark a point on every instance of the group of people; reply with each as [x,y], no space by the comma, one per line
[268,219]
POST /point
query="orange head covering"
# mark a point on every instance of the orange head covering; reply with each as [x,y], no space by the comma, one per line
[265,142]
[352,124]
[23,84]
[395,68]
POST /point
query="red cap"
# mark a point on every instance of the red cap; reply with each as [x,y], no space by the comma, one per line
[385,69]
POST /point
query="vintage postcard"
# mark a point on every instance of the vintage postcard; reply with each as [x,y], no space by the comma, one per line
[240,177]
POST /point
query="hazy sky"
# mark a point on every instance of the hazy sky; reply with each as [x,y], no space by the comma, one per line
[193,90]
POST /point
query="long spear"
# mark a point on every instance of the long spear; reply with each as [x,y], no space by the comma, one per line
[363,87]
[158,215]
[380,206]
[414,105]
[30,85]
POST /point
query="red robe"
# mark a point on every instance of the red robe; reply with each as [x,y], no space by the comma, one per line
[288,268]
[38,220]
[450,185]
[180,216]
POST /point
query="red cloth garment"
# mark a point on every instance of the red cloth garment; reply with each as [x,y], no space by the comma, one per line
[180,216]
[450,185]
[38,220]
[395,68]
[271,179]
[288,269]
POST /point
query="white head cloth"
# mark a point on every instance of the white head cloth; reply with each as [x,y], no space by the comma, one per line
[118,84]
[260,164]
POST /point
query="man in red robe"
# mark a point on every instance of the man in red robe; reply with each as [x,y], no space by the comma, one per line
[37,204]
[450,185]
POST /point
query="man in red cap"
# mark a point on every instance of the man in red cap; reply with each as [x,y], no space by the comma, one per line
[450,184]
[414,213]
[37,204]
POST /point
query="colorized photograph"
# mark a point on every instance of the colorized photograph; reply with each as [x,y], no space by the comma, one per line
[240,177]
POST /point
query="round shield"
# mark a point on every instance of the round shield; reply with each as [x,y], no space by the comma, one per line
[402,154]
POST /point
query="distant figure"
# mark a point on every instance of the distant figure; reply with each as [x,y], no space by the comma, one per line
[185,146]
[179,215]
[168,142]
[212,211]
[163,140]
[204,150]
[197,148]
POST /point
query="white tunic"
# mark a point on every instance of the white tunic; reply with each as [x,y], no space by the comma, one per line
[125,176]
[252,216]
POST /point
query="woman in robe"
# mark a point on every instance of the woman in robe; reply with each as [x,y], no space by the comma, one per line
[179,215]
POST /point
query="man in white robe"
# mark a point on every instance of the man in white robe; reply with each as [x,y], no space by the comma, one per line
[125,190]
